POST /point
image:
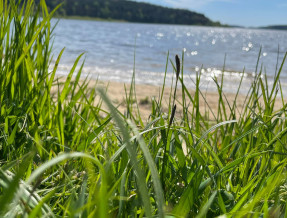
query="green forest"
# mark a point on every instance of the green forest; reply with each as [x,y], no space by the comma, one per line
[129,11]
[276,27]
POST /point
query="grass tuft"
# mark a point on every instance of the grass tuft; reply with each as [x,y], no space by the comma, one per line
[63,154]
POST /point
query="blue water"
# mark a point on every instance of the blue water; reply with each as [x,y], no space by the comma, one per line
[112,50]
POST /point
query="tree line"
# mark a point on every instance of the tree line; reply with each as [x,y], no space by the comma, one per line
[130,11]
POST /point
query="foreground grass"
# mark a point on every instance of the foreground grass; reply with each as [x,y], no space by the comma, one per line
[65,156]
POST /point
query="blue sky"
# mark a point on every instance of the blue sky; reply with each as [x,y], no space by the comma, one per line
[237,12]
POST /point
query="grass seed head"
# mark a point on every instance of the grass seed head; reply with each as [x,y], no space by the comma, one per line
[172,115]
[177,66]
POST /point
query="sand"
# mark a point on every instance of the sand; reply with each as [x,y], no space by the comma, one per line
[208,101]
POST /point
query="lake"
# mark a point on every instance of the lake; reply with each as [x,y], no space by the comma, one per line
[112,50]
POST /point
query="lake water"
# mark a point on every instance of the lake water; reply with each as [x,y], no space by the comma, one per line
[110,47]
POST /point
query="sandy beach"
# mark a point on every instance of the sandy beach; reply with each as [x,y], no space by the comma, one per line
[208,101]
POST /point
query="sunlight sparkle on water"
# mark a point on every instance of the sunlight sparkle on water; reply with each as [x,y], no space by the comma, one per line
[203,47]
[245,49]
[159,35]
[194,53]
[250,45]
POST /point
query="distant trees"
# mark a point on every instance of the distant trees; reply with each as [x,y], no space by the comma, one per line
[129,11]
[277,27]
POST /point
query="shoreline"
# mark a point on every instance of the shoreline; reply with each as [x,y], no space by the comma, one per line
[145,93]
[130,22]
[208,101]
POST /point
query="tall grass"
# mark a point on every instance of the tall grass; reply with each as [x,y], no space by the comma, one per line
[64,155]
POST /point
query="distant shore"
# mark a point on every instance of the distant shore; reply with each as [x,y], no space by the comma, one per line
[86,18]
[89,18]
[273,27]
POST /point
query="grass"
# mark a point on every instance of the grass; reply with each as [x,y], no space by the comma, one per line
[66,156]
